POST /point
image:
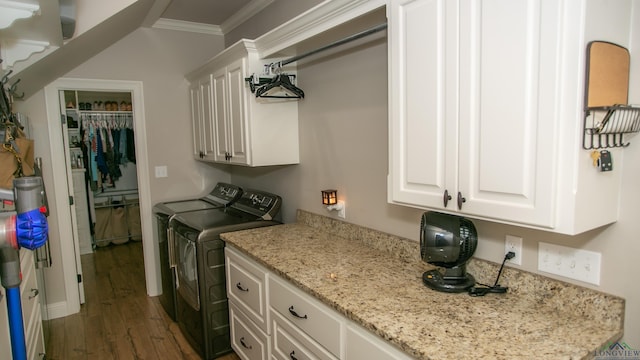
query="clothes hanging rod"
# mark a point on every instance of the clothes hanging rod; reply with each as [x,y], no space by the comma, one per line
[353,37]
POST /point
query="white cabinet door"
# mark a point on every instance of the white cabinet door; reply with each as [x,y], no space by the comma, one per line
[230,114]
[207,116]
[219,98]
[202,118]
[237,116]
[473,107]
[195,95]
[423,100]
[509,60]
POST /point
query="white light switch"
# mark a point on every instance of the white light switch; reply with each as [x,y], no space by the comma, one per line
[161,171]
[583,265]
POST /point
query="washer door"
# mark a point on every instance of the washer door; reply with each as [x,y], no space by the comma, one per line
[187,256]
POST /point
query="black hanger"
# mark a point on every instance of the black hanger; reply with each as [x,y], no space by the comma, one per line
[280,83]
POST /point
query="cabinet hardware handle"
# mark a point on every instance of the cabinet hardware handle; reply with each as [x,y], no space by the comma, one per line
[34,293]
[294,313]
[446,197]
[245,345]
[239,286]
[292,355]
[461,200]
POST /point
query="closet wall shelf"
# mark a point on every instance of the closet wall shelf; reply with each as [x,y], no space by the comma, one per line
[103,112]
[606,126]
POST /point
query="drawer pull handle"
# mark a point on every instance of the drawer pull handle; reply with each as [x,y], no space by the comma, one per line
[292,355]
[294,313]
[239,286]
[34,293]
[245,345]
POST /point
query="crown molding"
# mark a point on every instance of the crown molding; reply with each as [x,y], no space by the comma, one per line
[13,10]
[244,14]
[179,25]
[314,21]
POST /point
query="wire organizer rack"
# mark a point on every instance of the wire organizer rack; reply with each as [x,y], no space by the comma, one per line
[606,126]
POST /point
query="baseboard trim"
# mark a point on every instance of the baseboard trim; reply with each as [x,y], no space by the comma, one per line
[56,310]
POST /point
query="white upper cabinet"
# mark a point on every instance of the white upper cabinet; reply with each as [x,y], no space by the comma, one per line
[244,130]
[201,118]
[486,107]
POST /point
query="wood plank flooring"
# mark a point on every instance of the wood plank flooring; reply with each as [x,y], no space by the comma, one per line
[118,319]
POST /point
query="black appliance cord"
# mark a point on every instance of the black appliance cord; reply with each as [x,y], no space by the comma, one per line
[484,289]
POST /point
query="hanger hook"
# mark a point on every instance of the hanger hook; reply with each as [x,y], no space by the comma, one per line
[13,88]
[5,78]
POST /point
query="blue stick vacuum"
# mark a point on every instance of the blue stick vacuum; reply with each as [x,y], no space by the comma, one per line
[26,227]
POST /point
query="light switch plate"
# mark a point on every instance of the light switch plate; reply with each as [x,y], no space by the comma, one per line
[578,264]
[161,171]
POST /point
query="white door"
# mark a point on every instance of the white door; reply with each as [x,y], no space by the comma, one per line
[195,95]
[509,54]
[423,109]
[237,114]
[72,207]
[219,97]
[207,111]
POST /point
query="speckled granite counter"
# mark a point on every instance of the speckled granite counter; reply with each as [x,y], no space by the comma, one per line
[378,284]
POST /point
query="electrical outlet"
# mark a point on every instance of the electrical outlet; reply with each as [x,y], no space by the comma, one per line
[578,264]
[514,243]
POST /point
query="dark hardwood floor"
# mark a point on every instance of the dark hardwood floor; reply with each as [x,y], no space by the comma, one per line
[118,319]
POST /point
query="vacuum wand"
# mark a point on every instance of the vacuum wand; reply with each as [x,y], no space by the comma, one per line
[26,227]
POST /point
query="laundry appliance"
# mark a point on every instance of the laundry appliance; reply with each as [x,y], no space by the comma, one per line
[202,305]
[220,196]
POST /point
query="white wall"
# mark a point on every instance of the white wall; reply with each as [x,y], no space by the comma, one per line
[158,58]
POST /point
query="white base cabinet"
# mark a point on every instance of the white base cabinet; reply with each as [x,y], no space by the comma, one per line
[31,311]
[231,125]
[486,110]
[299,326]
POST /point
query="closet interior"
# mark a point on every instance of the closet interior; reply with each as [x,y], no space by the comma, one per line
[101,148]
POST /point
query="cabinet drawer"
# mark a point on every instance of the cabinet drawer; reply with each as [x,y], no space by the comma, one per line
[246,285]
[248,341]
[288,342]
[362,345]
[308,314]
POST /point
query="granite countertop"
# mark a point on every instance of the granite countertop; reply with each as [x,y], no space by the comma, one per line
[375,279]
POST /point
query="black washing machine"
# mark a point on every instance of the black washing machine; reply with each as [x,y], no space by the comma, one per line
[220,196]
[202,306]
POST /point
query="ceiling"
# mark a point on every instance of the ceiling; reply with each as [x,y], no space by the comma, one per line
[212,12]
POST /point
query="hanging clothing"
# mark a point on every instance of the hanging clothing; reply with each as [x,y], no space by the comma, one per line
[109,143]
[131,146]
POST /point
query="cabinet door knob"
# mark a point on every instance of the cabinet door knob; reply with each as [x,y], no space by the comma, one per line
[461,200]
[446,197]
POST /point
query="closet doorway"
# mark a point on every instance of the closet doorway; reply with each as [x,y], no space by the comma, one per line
[105,120]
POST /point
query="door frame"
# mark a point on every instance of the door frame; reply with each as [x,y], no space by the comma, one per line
[59,164]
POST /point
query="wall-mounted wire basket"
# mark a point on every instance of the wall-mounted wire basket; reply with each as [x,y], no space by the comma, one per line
[606,126]
[608,118]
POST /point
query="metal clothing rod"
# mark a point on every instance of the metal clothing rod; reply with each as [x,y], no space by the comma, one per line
[353,37]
